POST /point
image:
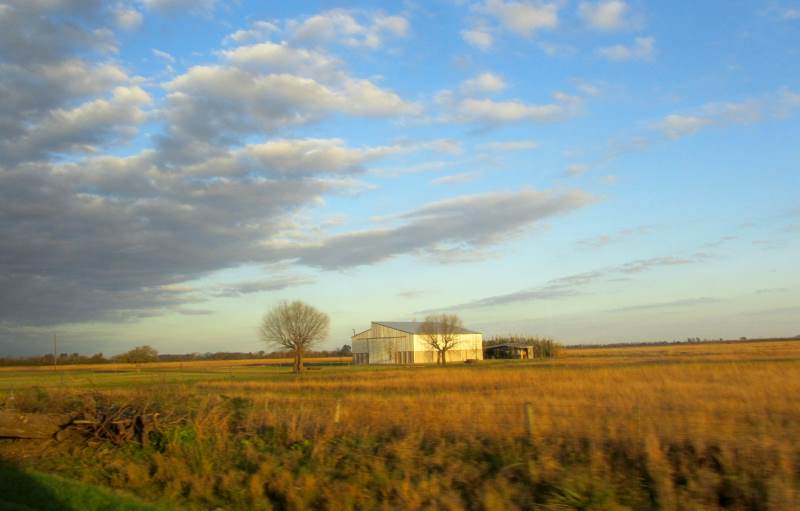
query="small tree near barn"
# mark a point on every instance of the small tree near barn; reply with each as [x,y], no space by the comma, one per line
[440,331]
[294,327]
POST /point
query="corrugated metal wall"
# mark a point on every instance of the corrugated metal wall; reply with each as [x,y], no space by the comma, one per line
[383,345]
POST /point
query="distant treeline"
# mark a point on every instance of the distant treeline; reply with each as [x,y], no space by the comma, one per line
[543,347]
[344,351]
[689,340]
[145,354]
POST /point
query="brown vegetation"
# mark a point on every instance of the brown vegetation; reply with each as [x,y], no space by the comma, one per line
[691,427]
[189,365]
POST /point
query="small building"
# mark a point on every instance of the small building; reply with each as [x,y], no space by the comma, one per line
[402,342]
[508,351]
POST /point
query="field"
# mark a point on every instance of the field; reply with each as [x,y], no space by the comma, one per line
[706,426]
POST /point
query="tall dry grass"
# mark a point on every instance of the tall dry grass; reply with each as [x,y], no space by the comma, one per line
[176,364]
[712,428]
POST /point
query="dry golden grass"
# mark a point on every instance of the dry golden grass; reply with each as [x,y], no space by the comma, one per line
[189,365]
[668,427]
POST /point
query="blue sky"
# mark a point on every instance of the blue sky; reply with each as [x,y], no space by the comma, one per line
[595,171]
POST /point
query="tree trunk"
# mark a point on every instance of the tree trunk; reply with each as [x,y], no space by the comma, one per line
[31,425]
[442,356]
[298,362]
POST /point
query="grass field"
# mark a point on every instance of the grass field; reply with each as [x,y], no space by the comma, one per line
[707,426]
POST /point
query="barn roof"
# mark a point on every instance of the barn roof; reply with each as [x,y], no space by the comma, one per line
[414,327]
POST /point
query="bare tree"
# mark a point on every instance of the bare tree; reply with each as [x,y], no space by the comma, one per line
[441,331]
[294,327]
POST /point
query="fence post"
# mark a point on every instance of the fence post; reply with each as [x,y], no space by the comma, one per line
[529,419]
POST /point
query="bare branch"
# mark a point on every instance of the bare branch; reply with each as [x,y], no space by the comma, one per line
[294,327]
[441,331]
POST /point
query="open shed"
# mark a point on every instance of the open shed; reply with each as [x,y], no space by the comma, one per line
[508,351]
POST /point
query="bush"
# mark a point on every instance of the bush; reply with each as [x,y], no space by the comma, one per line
[138,355]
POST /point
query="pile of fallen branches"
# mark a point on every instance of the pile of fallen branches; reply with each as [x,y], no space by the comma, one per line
[99,421]
[117,424]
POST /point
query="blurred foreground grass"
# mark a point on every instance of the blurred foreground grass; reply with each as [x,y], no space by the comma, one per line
[711,426]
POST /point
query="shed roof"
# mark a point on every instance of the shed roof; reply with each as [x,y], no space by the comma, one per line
[415,327]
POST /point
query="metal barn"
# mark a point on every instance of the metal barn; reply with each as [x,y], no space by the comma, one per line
[402,342]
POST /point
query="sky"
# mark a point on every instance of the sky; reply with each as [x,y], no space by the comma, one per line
[591,170]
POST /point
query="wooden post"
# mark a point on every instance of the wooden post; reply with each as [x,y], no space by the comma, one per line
[55,353]
[529,419]
[337,412]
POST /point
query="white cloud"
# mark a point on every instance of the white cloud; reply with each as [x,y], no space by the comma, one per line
[128,19]
[615,237]
[790,13]
[775,106]
[511,145]
[362,97]
[213,101]
[80,129]
[166,57]
[492,112]
[442,145]
[218,104]
[179,6]
[780,12]
[687,302]
[292,157]
[748,111]
[118,231]
[77,78]
[557,50]
[258,31]
[643,48]
[260,286]
[787,103]
[426,166]
[578,283]
[577,169]
[464,224]
[453,179]
[484,83]
[478,38]
[524,17]
[349,27]
[344,27]
[677,126]
[605,15]
[270,58]
[590,89]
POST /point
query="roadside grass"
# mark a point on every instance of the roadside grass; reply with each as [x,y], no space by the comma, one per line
[686,427]
[24,490]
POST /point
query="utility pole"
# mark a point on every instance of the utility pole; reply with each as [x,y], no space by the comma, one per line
[55,353]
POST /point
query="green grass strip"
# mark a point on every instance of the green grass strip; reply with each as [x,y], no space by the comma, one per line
[25,490]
